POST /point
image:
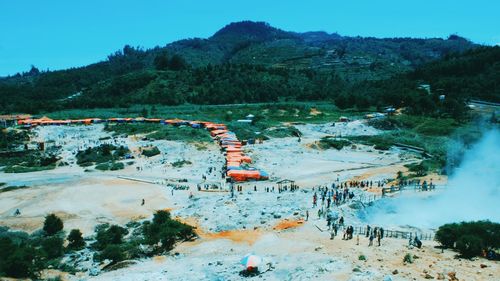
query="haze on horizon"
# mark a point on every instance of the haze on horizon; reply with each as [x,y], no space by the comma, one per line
[62,34]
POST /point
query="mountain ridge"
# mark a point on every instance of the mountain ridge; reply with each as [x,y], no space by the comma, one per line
[228,43]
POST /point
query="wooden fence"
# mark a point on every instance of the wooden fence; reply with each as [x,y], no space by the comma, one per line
[361,230]
[399,188]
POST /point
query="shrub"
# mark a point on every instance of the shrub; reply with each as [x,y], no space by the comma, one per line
[53,247]
[75,240]
[470,246]
[117,166]
[109,235]
[113,253]
[362,258]
[52,225]
[408,258]
[470,238]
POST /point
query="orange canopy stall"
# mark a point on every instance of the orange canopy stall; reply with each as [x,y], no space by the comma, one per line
[217,132]
[233,149]
[243,175]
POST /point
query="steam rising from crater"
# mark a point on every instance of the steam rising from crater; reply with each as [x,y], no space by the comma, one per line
[473,193]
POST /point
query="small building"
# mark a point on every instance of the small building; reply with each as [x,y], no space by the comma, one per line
[425,87]
[343,119]
[12,120]
[286,184]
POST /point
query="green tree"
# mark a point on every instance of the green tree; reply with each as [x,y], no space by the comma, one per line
[52,225]
[53,247]
[177,63]
[161,61]
[75,240]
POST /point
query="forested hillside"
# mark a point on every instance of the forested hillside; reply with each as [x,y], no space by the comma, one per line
[253,62]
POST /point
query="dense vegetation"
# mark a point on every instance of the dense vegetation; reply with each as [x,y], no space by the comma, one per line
[161,132]
[15,160]
[251,62]
[105,153]
[471,239]
[27,161]
[24,255]
[11,138]
[117,243]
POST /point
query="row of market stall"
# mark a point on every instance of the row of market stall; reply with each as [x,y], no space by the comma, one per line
[237,166]
[237,163]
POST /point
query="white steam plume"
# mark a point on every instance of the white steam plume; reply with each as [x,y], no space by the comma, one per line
[473,193]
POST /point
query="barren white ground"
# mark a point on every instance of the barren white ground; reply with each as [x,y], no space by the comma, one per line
[268,224]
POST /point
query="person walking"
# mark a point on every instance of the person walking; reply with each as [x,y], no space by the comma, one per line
[371,239]
[307,215]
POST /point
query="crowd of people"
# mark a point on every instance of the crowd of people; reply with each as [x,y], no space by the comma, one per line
[333,195]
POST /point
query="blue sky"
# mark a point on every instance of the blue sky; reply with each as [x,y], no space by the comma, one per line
[57,34]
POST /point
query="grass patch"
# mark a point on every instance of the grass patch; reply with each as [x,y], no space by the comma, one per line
[201,146]
[150,151]
[180,163]
[328,143]
[267,115]
[11,188]
[27,169]
[161,132]
[183,133]
[425,125]
[113,166]
[27,161]
[132,129]
[282,132]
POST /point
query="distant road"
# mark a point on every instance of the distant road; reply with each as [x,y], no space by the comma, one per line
[480,102]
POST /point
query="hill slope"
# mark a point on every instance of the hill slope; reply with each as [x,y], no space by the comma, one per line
[242,62]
